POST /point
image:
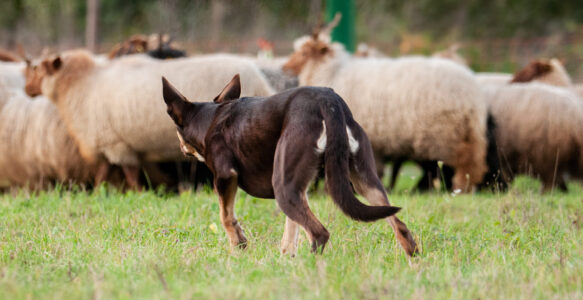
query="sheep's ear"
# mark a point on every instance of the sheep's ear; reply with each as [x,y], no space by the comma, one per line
[231,92]
[543,68]
[175,102]
[322,48]
[53,65]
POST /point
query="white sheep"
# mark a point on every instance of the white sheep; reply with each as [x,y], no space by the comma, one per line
[114,109]
[35,148]
[539,131]
[415,107]
[451,53]
[552,72]
[11,79]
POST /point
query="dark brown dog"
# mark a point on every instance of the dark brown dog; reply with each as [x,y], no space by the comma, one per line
[273,147]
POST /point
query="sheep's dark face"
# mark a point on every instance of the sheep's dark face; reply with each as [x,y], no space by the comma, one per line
[311,50]
[533,71]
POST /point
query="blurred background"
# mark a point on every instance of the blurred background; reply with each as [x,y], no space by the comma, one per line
[494,35]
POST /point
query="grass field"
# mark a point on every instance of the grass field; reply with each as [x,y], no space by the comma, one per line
[106,244]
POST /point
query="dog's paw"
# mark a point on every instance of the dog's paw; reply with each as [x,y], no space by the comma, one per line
[242,244]
[289,248]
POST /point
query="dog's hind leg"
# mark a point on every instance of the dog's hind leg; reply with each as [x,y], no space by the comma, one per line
[366,183]
[226,188]
[289,241]
[294,167]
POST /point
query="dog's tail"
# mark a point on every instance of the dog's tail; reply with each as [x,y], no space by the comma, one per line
[336,158]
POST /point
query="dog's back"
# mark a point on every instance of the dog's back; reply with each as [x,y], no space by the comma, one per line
[312,124]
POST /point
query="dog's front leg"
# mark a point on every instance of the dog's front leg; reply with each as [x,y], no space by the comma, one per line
[226,188]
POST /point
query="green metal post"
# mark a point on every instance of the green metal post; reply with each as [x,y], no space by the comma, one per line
[344,32]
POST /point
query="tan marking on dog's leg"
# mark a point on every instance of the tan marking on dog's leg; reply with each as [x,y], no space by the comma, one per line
[404,236]
[289,241]
[378,197]
[228,218]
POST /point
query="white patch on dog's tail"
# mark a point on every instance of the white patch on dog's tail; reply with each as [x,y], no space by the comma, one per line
[352,142]
[321,143]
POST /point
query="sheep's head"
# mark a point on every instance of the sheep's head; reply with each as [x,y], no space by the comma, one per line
[135,44]
[452,54]
[532,71]
[306,49]
[34,74]
[313,47]
[55,75]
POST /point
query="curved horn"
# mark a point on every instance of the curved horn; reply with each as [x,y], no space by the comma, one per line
[328,29]
[160,41]
[22,53]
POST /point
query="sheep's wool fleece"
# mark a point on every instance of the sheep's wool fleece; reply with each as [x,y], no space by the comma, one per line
[493,78]
[11,80]
[35,145]
[538,126]
[414,107]
[117,108]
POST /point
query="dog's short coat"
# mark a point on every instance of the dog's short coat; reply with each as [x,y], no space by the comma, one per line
[273,147]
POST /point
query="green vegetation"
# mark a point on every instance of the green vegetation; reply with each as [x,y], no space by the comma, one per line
[107,244]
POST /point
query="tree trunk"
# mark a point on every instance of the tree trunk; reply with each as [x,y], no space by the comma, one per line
[91,25]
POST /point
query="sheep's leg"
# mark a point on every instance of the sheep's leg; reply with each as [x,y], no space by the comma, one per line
[550,182]
[397,164]
[429,173]
[226,188]
[132,174]
[470,166]
[102,173]
[380,165]
[156,176]
[446,174]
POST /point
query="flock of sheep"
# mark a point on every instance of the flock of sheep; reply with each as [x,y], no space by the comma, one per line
[84,118]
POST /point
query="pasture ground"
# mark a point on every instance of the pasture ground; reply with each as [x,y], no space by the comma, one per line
[107,244]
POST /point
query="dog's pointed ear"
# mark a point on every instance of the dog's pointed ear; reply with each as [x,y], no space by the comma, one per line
[231,92]
[175,102]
